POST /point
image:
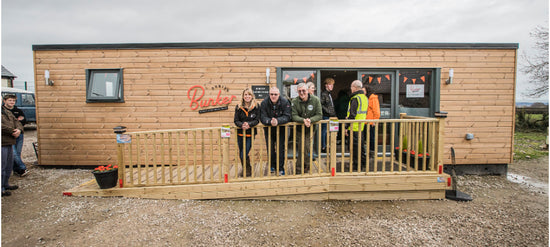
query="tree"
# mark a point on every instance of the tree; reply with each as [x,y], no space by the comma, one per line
[537,65]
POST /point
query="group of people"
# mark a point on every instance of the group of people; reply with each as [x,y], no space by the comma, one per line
[13,121]
[307,109]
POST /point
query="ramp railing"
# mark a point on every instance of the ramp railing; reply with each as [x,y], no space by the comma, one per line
[212,155]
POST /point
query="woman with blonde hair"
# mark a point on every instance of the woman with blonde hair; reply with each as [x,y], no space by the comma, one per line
[247,115]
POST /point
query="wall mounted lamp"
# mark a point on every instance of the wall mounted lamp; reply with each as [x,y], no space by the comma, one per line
[47,77]
[267,75]
[451,75]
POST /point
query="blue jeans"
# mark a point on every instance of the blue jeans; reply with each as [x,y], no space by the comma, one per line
[18,165]
[7,165]
[324,134]
[248,146]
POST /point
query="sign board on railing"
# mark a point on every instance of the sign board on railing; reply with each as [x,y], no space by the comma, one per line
[226,131]
[123,138]
[333,125]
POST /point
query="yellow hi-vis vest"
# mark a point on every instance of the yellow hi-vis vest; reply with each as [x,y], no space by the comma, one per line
[362,107]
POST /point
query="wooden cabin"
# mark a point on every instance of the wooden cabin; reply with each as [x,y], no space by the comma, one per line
[92,88]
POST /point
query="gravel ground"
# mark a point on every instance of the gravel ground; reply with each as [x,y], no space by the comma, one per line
[506,211]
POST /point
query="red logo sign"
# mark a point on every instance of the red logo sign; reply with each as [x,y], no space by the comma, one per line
[195,94]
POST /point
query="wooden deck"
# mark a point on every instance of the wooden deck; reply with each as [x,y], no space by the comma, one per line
[342,186]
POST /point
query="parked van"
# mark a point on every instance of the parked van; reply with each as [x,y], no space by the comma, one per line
[25,101]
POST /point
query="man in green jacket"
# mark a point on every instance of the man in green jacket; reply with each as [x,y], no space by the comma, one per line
[306,109]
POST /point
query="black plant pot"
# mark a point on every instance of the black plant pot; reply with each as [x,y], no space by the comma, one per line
[106,179]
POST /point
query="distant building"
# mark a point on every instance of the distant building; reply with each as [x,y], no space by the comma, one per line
[7,77]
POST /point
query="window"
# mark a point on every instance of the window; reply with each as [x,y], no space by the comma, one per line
[291,79]
[104,85]
[27,99]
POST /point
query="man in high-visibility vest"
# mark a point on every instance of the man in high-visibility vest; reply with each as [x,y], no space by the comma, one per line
[357,110]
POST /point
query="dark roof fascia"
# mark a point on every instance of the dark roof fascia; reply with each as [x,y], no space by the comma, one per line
[348,45]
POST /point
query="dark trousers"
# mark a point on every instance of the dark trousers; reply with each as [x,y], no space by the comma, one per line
[273,140]
[7,165]
[306,152]
[356,153]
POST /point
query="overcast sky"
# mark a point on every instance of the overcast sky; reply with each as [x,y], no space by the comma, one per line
[28,22]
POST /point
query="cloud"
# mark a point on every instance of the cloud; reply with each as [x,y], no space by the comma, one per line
[28,22]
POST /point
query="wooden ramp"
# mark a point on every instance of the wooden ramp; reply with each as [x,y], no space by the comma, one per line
[380,186]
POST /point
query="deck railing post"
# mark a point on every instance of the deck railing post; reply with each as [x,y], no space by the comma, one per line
[440,139]
[225,136]
[333,130]
[119,131]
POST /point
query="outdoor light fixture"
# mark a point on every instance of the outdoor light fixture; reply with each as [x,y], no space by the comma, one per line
[451,75]
[47,77]
[267,75]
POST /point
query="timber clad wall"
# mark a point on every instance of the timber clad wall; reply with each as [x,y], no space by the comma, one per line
[156,81]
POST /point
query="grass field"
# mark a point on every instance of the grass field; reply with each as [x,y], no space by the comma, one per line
[530,145]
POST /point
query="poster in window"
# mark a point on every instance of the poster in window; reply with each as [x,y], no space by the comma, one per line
[415,91]
[109,89]
[293,91]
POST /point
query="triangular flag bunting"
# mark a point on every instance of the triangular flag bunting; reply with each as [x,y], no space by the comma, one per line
[414,81]
[423,78]
[379,79]
[370,79]
[287,76]
[405,79]
[295,80]
[388,77]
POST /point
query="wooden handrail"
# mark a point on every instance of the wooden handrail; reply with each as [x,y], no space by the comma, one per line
[201,155]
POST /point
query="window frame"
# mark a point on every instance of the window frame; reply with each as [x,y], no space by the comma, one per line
[119,88]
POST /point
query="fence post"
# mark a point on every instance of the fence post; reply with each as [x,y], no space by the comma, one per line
[225,136]
[440,139]
[119,131]
[333,130]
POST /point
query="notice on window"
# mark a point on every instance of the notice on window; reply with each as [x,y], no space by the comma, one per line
[415,91]
[109,92]
[293,91]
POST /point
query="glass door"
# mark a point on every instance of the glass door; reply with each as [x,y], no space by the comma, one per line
[382,83]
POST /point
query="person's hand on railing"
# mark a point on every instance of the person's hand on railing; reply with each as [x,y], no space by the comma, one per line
[307,122]
[274,122]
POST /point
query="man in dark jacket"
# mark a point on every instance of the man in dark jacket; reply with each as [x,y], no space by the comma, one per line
[11,129]
[306,109]
[328,110]
[275,111]
[19,166]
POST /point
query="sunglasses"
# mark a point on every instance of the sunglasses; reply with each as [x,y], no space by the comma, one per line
[302,91]
[273,94]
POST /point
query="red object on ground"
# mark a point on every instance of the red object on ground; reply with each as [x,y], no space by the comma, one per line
[333,171]
[440,169]
[226,180]
[449,182]
[67,193]
[120,182]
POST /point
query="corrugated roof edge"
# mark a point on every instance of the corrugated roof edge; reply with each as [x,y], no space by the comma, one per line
[352,45]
